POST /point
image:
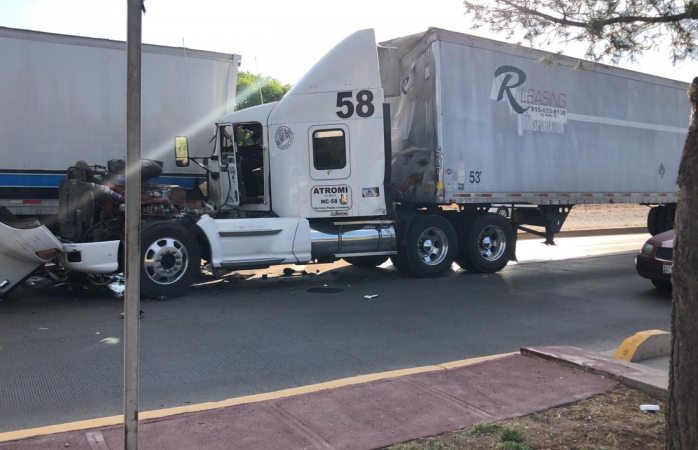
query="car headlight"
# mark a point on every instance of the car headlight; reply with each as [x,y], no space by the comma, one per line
[647,249]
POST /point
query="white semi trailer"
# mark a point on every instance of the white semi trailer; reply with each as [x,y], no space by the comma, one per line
[64,100]
[399,150]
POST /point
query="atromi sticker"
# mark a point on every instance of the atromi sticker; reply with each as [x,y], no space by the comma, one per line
[330,198]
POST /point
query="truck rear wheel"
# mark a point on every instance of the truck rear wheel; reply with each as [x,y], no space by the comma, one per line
[367,262]
[170,259]
[463,259]
[430,246]
[488,244]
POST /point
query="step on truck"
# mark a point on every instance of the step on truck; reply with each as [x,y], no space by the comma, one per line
[427,149]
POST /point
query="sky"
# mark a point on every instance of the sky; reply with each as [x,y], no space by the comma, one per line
[278,38]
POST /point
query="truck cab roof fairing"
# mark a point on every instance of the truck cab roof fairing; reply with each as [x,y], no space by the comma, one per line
[338,71]
[258,113]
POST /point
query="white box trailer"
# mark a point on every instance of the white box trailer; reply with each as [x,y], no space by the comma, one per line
[64,100]
[476,120]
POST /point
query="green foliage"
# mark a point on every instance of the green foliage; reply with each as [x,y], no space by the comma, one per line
[511,439]
[484,428]
[254,89]
[612,28]
[511,435]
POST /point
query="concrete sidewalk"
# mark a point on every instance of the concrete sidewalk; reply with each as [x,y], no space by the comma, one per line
[359,416]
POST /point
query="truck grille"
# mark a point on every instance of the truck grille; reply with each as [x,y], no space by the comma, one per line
[665,253]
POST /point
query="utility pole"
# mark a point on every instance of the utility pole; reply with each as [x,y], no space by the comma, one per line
[132,298]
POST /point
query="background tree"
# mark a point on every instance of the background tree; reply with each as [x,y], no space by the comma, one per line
[254,89]
[625,28]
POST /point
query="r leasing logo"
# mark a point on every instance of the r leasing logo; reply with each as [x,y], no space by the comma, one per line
[537,110]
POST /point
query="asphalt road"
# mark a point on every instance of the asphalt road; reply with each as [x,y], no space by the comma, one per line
[61,352]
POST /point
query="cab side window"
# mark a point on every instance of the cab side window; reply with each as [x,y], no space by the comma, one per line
[329,149]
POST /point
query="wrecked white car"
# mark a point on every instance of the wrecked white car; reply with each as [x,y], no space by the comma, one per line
[26,245]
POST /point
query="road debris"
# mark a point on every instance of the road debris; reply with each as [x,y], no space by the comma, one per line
[650,408]
[370,296]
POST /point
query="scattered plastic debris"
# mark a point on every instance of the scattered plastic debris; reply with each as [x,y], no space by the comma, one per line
[650,408]
[117,286]
[370,296]
[110,340]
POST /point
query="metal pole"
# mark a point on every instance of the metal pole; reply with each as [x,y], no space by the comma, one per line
[133,224]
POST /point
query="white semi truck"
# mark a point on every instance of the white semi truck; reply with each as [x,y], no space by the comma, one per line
[399,150]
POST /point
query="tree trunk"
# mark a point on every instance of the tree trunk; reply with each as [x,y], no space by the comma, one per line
[682,414]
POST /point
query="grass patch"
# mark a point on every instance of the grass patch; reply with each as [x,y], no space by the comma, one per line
[511,439]
[484,428]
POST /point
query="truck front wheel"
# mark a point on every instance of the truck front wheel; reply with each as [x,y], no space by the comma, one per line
[488,243]
[429,248]
[170,259]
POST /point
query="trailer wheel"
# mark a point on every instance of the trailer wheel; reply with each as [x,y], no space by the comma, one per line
[431,245]
[367,262]
[489,243]
[170,259]
[660,219]
[652,220]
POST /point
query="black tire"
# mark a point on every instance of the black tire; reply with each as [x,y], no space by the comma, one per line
[489,243]
[430,246]
[170,259]
[367,262]
[665,219]
[653,220]
[662,285]
[463,259]
[400,262]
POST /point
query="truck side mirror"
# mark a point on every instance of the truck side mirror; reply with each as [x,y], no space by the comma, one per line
[181,151]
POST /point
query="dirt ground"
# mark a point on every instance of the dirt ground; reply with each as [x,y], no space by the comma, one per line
[607,421]
[591,217]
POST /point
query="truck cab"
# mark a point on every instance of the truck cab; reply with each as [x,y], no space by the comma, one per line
[319,152]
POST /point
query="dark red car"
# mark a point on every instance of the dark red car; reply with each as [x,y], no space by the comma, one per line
[655,260]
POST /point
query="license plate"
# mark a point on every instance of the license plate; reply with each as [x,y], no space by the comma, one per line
[666,269]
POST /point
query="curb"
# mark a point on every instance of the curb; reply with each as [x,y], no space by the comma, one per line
[647,379]
[158,414]
[644,345]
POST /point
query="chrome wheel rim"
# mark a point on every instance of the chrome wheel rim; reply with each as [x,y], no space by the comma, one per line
[165,260]
[492,242]
[432,246]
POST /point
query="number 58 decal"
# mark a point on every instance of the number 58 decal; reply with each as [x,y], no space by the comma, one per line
[364,106]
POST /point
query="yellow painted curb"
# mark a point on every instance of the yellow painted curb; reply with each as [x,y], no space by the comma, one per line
[166,412]
[644,345]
